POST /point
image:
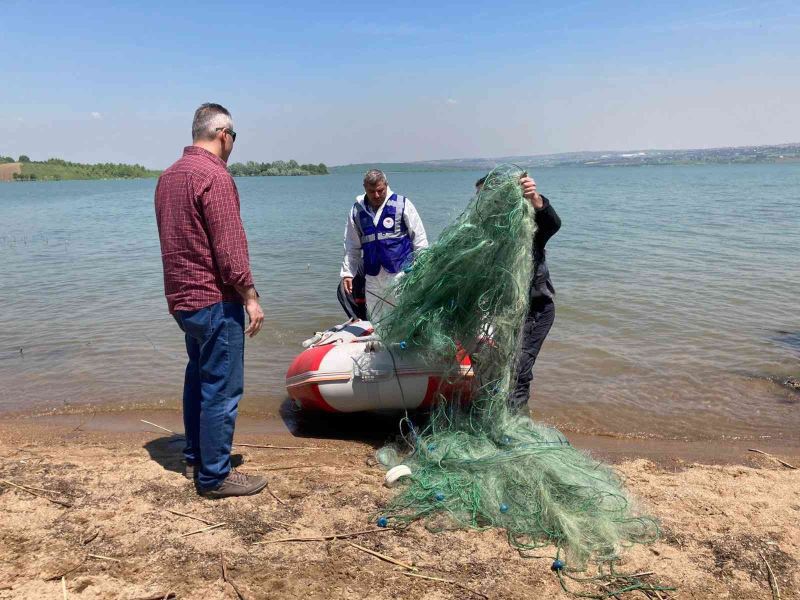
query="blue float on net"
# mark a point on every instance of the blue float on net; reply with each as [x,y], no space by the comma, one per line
[383,521]
[403,345]
[557,565]
[506,440]
[439,496]
[431,447]
[504,508]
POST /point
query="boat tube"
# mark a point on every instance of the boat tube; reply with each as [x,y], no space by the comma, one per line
[348,369]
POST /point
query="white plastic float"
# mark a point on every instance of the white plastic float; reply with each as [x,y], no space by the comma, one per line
[347,369]
[394,474]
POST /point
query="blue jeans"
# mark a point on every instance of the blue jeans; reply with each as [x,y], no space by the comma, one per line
[212,387]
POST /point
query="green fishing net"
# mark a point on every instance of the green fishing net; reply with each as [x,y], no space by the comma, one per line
[477,463]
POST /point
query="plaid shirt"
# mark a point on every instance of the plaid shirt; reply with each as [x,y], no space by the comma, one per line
[203,244]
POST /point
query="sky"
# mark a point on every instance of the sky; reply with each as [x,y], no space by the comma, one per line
[356,82]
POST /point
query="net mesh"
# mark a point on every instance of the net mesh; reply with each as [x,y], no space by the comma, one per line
[478,463]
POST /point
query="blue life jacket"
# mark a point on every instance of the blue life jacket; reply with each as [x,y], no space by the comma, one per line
[386,244]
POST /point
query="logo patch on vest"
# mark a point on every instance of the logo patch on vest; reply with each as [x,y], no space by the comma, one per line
[388,222]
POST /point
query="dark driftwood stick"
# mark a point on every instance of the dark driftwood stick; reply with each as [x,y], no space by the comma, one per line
[785,464]
[90,537]
[30,491]
[228,580]
[271,493]
[389,559]
[67,572]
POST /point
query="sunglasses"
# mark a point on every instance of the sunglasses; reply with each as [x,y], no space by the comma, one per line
[226,130]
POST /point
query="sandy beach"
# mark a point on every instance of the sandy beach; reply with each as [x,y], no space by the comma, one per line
[8,170]
[105,485]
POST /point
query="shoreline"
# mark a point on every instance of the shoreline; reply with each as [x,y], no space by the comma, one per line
[610,447]
[722,514]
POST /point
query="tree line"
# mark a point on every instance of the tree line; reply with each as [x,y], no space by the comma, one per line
[58,169]
[279,167]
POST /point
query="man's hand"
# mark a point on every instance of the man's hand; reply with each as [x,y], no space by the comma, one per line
[529,191]
[256,316]
[347,282]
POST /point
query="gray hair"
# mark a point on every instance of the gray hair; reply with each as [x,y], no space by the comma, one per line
[207,118]
[374,177]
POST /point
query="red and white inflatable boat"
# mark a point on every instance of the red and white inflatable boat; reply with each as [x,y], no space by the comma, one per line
[348,369]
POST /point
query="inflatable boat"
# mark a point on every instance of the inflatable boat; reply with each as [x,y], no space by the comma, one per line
[348,369]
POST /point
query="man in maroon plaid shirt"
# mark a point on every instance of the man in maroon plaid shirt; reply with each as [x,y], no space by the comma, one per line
[209,286]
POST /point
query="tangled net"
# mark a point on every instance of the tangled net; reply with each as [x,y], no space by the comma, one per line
[479,464]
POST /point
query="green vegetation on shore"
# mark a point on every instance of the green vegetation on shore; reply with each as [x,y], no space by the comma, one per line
[279,167]
[56,169]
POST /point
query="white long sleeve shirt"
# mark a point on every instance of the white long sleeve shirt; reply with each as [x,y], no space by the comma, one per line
[352,240]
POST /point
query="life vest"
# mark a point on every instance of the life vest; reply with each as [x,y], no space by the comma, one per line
[386,244]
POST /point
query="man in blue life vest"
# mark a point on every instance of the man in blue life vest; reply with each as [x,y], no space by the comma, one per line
[382,234]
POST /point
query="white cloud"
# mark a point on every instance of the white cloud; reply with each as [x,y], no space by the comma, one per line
[97,115]
[452,101]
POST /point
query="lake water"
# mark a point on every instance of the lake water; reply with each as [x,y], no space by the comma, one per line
[677,307]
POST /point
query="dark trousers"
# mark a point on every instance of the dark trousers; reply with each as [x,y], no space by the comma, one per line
[537,325]
[355,304]
[212,387]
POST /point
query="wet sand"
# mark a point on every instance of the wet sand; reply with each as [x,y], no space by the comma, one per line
[379,429]
[725,512]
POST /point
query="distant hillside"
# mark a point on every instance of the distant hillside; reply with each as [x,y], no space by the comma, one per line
[737,155]
[404,167]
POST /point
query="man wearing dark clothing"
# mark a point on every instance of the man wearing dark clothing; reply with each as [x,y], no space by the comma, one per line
[541,294]
[541,309]
[354,302]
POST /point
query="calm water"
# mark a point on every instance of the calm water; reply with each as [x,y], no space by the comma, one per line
[677,309]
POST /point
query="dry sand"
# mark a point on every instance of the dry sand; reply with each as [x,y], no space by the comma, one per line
[722,525]
[7,171]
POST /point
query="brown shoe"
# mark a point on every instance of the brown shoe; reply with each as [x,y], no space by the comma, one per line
[236,484]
